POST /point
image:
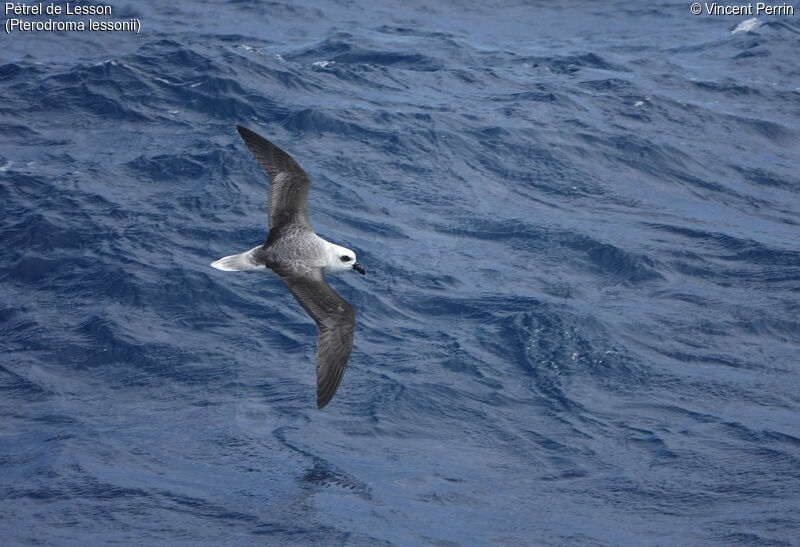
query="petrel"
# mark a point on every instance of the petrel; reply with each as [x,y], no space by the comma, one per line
[301,258]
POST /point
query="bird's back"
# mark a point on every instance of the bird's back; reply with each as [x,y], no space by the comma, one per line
[291,249]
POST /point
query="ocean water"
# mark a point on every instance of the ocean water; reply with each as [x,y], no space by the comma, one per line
[580,323]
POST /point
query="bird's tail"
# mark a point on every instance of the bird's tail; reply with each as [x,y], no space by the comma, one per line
[240,262]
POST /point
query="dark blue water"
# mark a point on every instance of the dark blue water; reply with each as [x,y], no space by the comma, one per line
[580,322]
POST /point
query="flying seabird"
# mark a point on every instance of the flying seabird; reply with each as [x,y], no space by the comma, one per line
[301,258]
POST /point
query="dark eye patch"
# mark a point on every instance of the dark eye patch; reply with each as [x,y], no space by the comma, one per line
[344,258]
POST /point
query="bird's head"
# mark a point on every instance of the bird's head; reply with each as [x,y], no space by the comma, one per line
[341,259]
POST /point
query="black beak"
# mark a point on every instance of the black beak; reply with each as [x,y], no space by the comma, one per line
[357,267]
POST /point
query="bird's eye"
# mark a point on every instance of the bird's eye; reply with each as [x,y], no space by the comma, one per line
[344,258]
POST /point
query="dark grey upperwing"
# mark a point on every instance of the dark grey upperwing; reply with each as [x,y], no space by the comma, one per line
[289,184]
[336,321]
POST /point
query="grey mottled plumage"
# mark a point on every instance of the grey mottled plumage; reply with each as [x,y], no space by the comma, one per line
[301,258]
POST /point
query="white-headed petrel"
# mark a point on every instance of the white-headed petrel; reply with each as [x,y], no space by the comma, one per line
[301,258]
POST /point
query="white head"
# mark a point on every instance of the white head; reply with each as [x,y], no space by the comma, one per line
[341,259]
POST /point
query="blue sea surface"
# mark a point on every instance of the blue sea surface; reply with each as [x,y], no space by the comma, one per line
[580,323]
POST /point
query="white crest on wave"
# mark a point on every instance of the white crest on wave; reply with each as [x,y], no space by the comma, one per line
[747,26]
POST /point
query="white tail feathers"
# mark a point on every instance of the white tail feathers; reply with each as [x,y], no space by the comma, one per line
[238,263]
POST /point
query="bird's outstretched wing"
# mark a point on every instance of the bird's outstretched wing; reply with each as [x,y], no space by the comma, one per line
[289,184]
[335,319]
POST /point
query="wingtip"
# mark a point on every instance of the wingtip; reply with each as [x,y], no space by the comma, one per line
[323,399]
[254,141]
[327,386]
[326,391]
